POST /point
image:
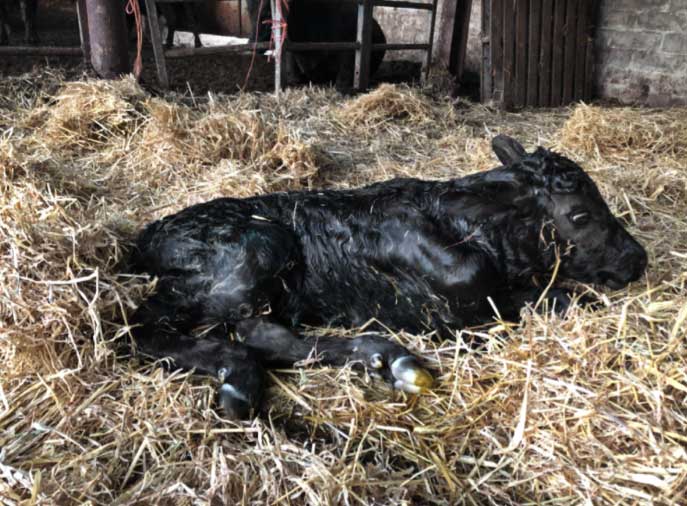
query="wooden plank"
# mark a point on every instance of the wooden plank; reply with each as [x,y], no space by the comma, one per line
[508,53]
[156,42]
[361,76]
[41,50]
[183,52]
[486,61]
[459,42]
[581,40]
[521,38]
[430,42]
[496,27]
[558,54]
[545,47]
[82,18]
[592,9]
[570,32]
[533,52]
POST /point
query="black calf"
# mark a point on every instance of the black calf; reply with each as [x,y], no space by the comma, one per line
[410,254]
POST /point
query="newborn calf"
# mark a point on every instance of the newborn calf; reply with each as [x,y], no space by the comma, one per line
[409,254]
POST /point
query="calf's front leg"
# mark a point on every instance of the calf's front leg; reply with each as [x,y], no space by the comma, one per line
[161,334]
[277,345]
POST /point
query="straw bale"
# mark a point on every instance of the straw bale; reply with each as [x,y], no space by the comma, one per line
[589,408]
[624,133]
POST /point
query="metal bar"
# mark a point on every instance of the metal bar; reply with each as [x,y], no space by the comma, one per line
[156,41]
[82,18]
[183,52]
[401,47]
[361,76]
[276,36]
[402,4]
[347,46]
[296,47]
[323,46]
[41,51]
[399,4]
[428,58]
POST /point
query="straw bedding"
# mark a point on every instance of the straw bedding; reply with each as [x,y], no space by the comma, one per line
[588,409]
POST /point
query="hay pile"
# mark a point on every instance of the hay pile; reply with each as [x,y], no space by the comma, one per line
[587,409]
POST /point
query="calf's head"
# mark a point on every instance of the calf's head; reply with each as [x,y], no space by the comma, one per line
[594,245]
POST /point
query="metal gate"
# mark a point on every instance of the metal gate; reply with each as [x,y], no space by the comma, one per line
[537,52]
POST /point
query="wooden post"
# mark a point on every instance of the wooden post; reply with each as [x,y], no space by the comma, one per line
[428,58]
[107,37]
[361,77]
[156,42]
[83,29]
[459,38]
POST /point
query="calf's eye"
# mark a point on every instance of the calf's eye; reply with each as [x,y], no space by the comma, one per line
[579,219]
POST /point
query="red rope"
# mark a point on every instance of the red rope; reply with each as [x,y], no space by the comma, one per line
[132,7]
[272,23]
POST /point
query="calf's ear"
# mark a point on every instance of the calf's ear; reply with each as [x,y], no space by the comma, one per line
[507,149]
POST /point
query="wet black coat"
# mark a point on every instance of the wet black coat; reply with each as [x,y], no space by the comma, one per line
[408,254]
[415,255]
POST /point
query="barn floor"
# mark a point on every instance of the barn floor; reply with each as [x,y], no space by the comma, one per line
[587,409]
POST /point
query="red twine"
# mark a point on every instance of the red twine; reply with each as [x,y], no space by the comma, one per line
[273,24]
[132,7]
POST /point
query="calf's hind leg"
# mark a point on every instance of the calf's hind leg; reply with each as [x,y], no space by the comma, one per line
[161,334]
[276,345]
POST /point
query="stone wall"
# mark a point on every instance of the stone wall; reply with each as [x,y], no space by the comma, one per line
[642,51]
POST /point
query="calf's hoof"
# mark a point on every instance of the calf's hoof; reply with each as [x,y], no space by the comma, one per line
[240,392]
[393,362]
[410,376]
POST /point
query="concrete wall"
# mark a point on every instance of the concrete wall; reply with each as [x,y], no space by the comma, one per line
[641,47]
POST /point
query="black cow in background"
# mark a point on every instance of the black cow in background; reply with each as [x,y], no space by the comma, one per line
[410,254]
[28,9]
[319,21]
[176,16]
